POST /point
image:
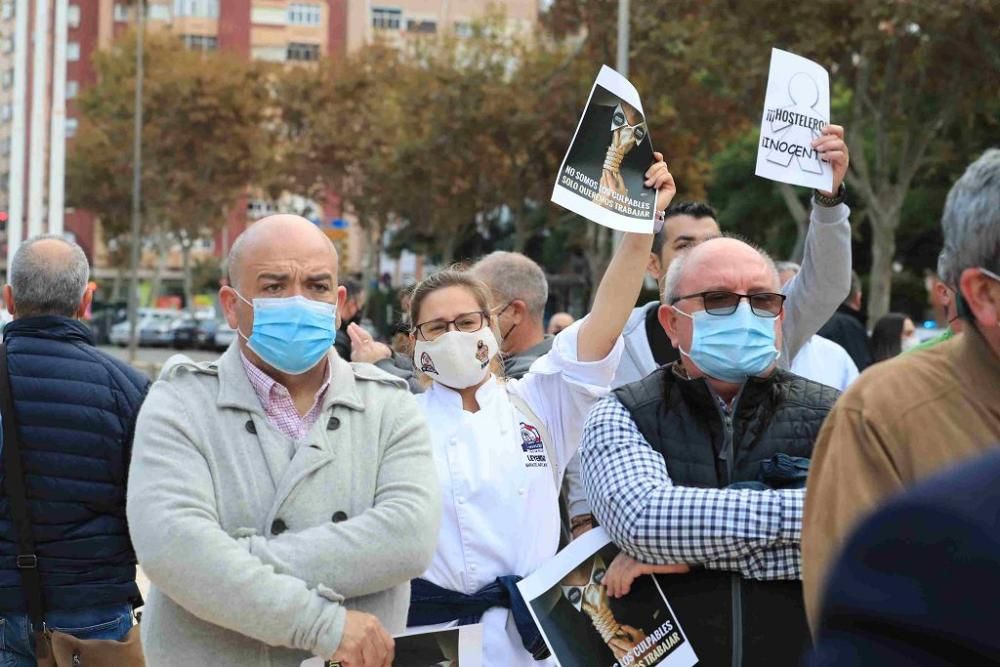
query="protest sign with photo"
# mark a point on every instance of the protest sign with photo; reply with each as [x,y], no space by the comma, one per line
[433,646]
[584,627]
[796,107]
[602,175]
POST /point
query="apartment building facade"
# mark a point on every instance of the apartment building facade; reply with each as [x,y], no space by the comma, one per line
[285,31]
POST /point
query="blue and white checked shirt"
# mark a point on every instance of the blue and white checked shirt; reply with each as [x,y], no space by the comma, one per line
[755,533]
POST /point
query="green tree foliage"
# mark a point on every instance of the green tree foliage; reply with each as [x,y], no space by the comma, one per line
[202,137]
[906,75]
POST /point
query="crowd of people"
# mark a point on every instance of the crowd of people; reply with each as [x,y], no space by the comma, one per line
[315,491]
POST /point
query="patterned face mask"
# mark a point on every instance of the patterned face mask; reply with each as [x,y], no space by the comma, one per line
[457,359]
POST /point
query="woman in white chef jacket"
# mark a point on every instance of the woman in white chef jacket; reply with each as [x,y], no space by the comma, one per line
[501,513]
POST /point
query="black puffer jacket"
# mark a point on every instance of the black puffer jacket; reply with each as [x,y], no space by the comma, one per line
[730,620]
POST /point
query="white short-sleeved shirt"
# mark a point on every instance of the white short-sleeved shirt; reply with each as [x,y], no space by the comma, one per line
[821,360]
[500,503]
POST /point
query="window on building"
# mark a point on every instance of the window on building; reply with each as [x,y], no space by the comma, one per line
[4,112]
[303,14]
[298,51]
[73,16]
[7,78]
[5,146]
[121,13]
[274,54]
[200,42]
[72,89]
[7,45]
[208,9]
[421,26]
[384,18]
[7,11]
[268,16]
[158,12]
[463,29]
[71,125]
[72,51]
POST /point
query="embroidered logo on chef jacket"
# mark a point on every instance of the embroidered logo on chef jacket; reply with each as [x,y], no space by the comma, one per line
[533,447]
[427,364]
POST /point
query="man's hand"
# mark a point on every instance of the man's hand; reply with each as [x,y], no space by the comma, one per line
[832,149]
[659,178]
[624,570]
[365,643]
[364,348]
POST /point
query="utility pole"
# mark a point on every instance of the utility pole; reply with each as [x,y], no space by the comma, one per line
[622,66]
[57,140]
[623,37]
[133,291]
[18,135]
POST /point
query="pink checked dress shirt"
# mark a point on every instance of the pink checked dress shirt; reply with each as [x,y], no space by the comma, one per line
[279,406]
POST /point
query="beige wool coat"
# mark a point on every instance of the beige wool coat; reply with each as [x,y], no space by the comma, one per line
[257,545]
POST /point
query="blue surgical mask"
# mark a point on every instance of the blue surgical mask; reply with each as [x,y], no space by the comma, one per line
[733,347]
[291,334]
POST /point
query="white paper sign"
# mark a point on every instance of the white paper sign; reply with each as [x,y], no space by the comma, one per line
[445,645]
[796,108]
[582,625]
[602,176]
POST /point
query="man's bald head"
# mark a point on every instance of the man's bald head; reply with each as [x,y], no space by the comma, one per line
[721,263]
[278,257]
[282,231]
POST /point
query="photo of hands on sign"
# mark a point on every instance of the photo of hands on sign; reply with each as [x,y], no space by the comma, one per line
[595,615]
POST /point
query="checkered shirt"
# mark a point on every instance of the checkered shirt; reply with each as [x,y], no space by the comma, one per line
[755,533]
[279,406]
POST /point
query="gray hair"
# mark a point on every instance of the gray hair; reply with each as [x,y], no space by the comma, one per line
[676,271]
[971,219]
[791,267]
[44,287]
[945,270]
[514,276]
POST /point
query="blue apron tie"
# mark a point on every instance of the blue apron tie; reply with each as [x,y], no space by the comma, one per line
[431,604]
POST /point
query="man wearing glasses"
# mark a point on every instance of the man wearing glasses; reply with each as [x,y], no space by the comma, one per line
[661,456]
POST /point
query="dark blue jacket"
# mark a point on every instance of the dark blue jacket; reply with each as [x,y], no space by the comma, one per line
[76,409]
[919,582]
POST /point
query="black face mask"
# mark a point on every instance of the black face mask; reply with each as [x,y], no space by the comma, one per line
[962,308]
[503,335]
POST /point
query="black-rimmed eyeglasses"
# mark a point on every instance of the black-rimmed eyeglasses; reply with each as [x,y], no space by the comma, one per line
[763,304]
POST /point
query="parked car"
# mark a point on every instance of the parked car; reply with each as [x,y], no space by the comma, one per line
[224,335]
[187,331]
[153,328]
[206,334]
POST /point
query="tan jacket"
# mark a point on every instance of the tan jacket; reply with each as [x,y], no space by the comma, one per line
[255,553]
[901,421]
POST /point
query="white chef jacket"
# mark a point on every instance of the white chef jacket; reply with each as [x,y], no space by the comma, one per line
[500,503]
[821,360]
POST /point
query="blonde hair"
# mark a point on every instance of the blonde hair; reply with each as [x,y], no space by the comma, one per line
[456,276]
